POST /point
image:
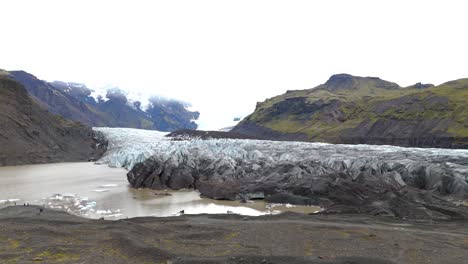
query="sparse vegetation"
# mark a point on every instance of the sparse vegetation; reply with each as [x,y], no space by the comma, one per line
[348,105]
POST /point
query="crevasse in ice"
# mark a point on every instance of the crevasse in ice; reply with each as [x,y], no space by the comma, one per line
[128,147]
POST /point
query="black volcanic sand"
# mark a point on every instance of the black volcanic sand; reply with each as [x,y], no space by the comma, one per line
[28,236]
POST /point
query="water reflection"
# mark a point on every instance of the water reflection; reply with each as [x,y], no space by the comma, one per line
[96,191]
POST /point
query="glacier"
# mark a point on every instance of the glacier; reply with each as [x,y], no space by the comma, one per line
[360,177]
[129,146]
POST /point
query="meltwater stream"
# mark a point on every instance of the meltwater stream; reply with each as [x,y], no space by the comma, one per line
[96,191]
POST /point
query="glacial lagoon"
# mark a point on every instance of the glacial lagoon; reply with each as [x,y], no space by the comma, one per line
[96,191]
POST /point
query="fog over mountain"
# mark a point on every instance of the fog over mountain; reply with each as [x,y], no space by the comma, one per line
[108,106]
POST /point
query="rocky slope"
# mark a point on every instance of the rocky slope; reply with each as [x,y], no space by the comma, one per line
[366,110]
[73,101]
[30,134]
[381,180]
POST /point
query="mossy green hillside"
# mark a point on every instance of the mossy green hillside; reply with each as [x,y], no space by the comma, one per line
[348,103]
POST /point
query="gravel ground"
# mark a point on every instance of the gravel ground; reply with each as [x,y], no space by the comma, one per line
[30,236]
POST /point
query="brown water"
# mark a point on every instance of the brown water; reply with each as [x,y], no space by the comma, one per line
[99,191]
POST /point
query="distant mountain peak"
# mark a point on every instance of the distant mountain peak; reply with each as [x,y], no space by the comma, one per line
[421,85]
[340,81]
[344,81]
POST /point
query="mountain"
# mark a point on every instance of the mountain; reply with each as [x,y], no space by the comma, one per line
[168,114]
[74,101]
[366,110]
[59,102]
[30,134]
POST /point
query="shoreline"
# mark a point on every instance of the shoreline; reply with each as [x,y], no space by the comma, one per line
[31,236]
[96,191]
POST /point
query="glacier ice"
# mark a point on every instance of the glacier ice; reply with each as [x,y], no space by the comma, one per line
[403,182]
[128,146]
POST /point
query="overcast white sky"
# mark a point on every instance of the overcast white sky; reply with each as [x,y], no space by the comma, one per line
[224,56]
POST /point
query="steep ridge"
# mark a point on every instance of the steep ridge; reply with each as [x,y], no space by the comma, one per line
[30,134]
[60,103]
[73,101]
[366,110]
